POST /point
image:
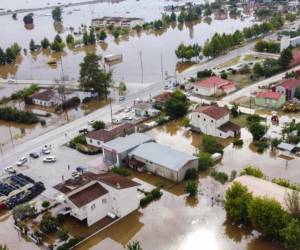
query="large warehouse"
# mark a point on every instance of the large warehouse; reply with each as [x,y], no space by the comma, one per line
[163,160]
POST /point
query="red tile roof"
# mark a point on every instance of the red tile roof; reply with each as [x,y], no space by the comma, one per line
[269,95]
[213,111]
[46,95]
[163,97]
[87,195]
[290,83]
[212,81]
[105,135]
[230,85]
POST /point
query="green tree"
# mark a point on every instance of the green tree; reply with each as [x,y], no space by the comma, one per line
[28,19]
[45,204]
[135,245]
[2,57]
[210,145]
[45,43]
[173,17]
[32,45]
[122,87]
[290,235]
[267,216]
[258,70]
[70,39]
[116,33]
[204,161]
[237,199]
[98,125]
[62,235]
[10,56]
[92,37]
[85,38]
[178,105]
[191,187]
[57,14]
[102,35]
[257,130]
[285,58]
[92,77]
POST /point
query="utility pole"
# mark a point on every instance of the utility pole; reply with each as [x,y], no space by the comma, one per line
[142,68]
[11,137]
[63,96]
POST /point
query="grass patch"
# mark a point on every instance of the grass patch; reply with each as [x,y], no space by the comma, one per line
[121,171]
[240,120]
[219,176]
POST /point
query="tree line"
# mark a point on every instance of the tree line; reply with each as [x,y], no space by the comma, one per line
[9,55]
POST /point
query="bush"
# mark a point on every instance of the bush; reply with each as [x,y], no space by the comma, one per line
[275,142]
[191,174]
[121,171]
[267,216]
[48,224]
[237,199]
[22,212]
[219,176]
[238,142]
[252,119]
[210,145]
[25,93]
[290,235]
[204,73]
[79,139]
[262,144]
[257,130]
[98,125]
[154,194]
[232,175]
[45,204]
[14,115]
[62,235]
[204,161]
[70,103]
[256,172]
[191,187]
[161,120]
[286,183]
[60,218]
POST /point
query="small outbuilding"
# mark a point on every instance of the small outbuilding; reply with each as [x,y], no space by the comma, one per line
[286,146]
[163,160]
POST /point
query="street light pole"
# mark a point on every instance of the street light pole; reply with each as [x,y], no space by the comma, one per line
[142,67]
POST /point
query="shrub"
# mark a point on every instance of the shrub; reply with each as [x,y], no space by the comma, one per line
[253,171]
[262,144]
[45,204]
[237,199]
[219,176]
[154,194]
[252,119]
[48,224]
[25,93]
[204,161]
[286,183]
[204,73]
[98,125]
[191,187]
[62,235]
[232,175]
[70,103]
[79,139]
[290,235]
[161,120]
[60,218]
[14,115]
[135,245]
[121,171]
[210,145]
[257,130]
[275,142]
[267,216]
[22,212]
[191,174]
[238,142]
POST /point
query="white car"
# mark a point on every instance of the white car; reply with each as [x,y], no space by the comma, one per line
[127,118]
[128,109]
[45,151]
[21,161]
[10,170]
[11,80]
[49,159]
[90,122]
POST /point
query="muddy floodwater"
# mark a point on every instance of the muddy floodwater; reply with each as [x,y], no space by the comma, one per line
[153,46]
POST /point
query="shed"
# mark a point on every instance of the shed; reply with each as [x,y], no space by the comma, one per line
[286,146]
[164,161]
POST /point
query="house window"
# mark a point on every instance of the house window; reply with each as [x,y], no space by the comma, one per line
[104,201]
[98,142]
[93,206]
[204,119]
[198,116]
[212,121]
[91,140]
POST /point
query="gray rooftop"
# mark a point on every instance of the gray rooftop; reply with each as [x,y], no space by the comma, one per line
[122,144]
[162,155]
[286,146]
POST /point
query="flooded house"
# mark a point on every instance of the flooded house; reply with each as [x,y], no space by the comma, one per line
[94,197]
[213,86]
[127,22]
[221,14]
[269,99]
[98,137]
[215,121]
[145,109]
[161,99]
[162,160]
[46,98]
[116,152]
[287,87]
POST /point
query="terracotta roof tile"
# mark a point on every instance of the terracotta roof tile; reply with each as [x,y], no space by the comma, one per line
[213,111]
[87,195]
[46,95]
[212,81]
[269,95]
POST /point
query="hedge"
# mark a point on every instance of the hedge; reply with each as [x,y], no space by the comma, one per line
[14,115]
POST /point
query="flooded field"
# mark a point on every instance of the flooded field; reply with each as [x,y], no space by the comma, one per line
[152,46]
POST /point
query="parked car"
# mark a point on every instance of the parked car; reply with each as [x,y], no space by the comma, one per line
[83,130]
[34,155]
[11,80]
[128,109]
[127,118]
[10,170]
[49,159]
[116,121]
[90,122]
[121,98]
[45,151]
[81,169]
[166,87]
[21,161]
[75,174]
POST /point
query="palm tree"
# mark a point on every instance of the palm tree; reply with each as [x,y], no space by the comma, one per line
[135,245]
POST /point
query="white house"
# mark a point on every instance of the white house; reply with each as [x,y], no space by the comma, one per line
[94,197]
[46,98]
[128,22]
[286,41]
[115,152]
[162,160]
[98,137]
[215,121]
[213,86]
